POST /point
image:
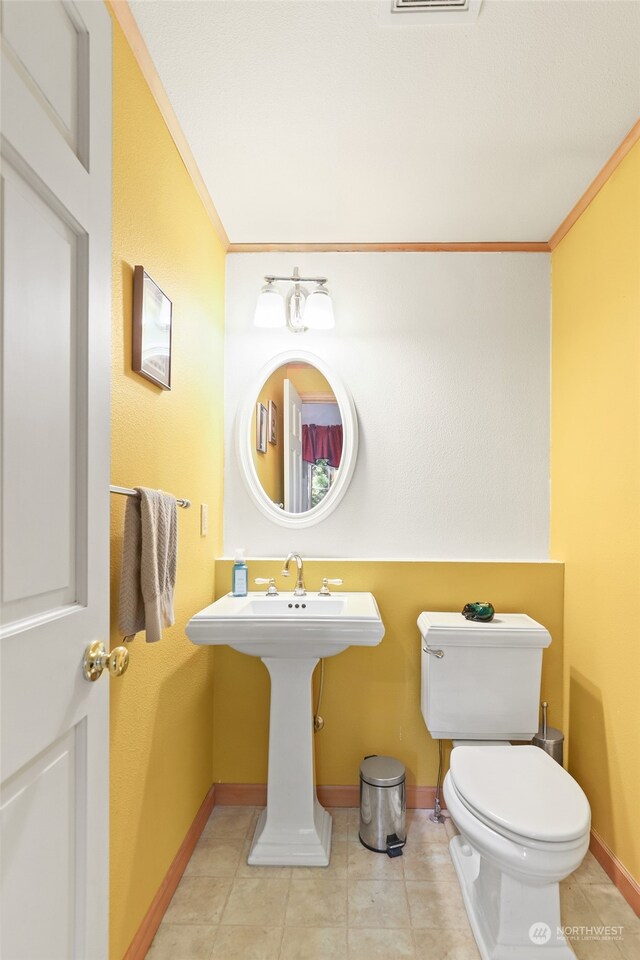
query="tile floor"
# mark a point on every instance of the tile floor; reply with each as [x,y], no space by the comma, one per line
[363,906]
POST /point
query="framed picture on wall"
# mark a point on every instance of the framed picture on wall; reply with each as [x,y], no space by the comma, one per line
[273,422]
[152,309]
[261,428]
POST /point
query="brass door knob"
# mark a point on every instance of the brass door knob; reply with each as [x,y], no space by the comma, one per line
[96,659]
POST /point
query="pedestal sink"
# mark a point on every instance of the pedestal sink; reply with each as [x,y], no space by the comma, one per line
[290,634]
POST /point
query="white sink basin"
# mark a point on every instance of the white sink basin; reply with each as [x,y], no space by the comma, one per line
[290,634]
[289,626]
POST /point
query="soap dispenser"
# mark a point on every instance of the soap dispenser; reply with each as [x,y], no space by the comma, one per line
[240,576]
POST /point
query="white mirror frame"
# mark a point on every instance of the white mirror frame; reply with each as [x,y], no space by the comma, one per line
[245,439]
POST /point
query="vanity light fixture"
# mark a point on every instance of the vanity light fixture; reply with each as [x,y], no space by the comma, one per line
[298,310]
[270,311]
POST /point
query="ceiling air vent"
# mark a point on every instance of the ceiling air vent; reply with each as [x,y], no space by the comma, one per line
[430,11]
[400,5]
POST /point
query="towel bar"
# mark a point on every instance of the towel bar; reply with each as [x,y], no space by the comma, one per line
[128,492]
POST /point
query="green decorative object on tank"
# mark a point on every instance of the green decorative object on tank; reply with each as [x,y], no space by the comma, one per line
[483,612]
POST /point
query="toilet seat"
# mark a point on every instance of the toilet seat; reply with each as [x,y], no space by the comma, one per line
[509,882]
[520,793]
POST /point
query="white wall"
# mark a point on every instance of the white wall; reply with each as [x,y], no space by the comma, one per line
[447,358]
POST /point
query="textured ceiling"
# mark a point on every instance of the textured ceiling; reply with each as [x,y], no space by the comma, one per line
[320,122]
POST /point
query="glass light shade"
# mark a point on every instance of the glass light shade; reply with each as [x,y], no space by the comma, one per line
[318,310]
[270,308]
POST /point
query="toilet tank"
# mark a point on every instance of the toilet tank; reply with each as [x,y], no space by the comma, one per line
[486,683]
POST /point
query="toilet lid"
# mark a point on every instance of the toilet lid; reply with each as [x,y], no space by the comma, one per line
[521,790]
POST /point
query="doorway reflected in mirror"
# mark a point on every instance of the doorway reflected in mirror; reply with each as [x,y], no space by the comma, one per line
[299,469]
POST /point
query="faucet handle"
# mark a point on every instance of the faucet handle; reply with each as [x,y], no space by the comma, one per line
[324,591]
[272,589]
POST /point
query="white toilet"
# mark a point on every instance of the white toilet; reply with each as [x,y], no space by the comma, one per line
[523,820]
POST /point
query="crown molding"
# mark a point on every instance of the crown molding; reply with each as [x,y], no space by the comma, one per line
[124,17]
[596,185]
[486,247]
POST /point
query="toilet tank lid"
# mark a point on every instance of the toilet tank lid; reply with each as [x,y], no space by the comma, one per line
[441,629]
[522,790]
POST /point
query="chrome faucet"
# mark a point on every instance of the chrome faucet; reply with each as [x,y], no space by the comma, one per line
[299,590]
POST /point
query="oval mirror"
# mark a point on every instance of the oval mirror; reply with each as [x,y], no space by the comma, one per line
[297,439]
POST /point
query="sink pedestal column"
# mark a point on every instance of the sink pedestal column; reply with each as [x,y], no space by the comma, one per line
[294,829]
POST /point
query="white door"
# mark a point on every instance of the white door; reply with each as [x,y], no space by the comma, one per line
[56,306]
[293,448]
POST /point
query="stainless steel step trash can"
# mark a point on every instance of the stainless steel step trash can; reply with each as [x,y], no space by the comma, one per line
[383,805]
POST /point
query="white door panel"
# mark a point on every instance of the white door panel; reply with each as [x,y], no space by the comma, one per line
[53,61]
[37,834]
[56,297]
[41,331]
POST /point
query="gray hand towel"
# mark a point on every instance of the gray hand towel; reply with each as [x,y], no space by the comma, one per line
[149,554]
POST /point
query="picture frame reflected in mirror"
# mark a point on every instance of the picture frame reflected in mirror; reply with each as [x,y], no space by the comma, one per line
[261,428]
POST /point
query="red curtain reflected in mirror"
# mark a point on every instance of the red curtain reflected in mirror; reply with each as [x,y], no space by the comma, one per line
[322,443]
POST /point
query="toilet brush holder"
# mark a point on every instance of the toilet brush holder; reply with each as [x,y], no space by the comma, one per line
[550,739]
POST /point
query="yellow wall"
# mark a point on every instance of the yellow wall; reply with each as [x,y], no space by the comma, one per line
[161,709]
[308,379]
[371,700]
[595,511]
[270,465]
